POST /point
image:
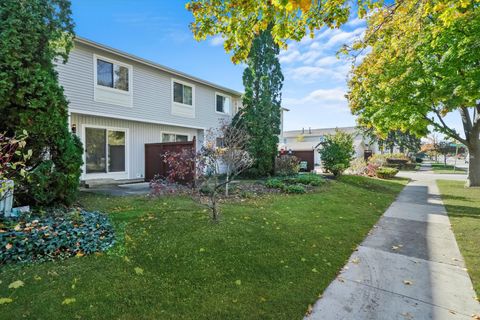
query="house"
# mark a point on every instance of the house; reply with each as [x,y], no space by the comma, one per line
[118,103]
[305,143]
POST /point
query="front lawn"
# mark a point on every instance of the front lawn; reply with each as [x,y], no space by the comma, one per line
[463,206]
[442,168]
[268,258]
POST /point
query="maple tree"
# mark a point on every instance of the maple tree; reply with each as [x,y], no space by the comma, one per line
[239,22]
[422,63]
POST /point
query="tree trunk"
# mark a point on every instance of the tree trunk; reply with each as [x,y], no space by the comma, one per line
[473,179]
[226,185]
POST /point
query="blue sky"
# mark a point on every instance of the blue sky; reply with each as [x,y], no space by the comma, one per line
[315,80]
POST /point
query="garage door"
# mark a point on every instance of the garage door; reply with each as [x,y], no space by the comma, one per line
[306,156]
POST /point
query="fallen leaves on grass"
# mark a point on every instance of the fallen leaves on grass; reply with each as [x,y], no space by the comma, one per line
[69,300]
[16,284]
[5,300]
[138,270]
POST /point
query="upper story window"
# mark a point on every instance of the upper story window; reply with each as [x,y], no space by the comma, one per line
[222,103]
[182,93]
[112,75]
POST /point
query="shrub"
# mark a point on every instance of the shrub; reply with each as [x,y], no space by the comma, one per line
[337,151]
[309,179]
[358,167]
[286,165]
[55,237]
[274,184]
[294,188]
[372,169]
[386,173]
[418,160]
[162,187]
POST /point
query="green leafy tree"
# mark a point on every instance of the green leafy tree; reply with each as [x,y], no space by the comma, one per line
[337,151]
[423,64]
[239,22]
[261,111]
[34,35]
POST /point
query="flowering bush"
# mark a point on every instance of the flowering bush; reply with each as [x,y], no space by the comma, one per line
[55,237]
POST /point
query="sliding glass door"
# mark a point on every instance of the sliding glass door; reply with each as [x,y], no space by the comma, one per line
[105,150]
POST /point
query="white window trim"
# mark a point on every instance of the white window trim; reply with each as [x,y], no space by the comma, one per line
[225,96]
[177,133]
[111,175]
[186,84]
[130,75]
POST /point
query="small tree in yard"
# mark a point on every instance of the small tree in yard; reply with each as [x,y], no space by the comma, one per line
[336,152]
[224,153]
[229,155]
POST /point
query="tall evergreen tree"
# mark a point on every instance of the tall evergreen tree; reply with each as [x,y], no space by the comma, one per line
[34,35]
[261,113]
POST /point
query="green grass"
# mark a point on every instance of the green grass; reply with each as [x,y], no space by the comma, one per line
[268,258]
[442,168]
[463,206]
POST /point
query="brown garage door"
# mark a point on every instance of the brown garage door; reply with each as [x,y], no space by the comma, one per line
[154,164]
[306,156]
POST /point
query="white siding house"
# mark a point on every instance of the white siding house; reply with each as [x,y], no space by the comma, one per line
[308,140]
[119,102]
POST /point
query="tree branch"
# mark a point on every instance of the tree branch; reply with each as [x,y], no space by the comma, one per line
[466,121]
[444,128]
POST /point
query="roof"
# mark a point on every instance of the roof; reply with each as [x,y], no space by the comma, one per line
[317,132]
[154,65]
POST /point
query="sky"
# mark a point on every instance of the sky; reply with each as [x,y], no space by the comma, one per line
[315,80]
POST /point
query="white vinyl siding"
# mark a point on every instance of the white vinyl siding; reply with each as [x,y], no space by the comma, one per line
[138,134]
[151,93]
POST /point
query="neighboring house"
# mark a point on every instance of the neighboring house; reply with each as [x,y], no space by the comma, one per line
[305,143]
[119,102]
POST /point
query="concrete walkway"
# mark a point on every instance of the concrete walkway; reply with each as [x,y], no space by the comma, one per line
[409,267]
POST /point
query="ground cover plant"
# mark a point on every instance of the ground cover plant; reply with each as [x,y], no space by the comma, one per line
[34,238]
[463,207]
[268,258]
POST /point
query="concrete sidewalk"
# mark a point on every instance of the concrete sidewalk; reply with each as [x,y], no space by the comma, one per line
[409,267]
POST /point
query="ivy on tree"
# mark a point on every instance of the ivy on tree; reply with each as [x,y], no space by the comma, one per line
[261,111]
[423,64]
[34,35]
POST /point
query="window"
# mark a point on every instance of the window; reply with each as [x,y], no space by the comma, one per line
[171,137]
[182,93]
[219,142]
[112,75]
[222,103]
[104,150]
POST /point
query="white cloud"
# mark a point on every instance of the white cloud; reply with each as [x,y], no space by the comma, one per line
[355,22]
[327,61]
[289,56]
[217,40]
[345,37]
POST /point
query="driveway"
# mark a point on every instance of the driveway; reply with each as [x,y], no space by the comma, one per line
[409,267]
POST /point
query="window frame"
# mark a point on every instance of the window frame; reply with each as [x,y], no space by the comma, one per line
[184,83]
[225,96]
[114,62]
[175,134]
